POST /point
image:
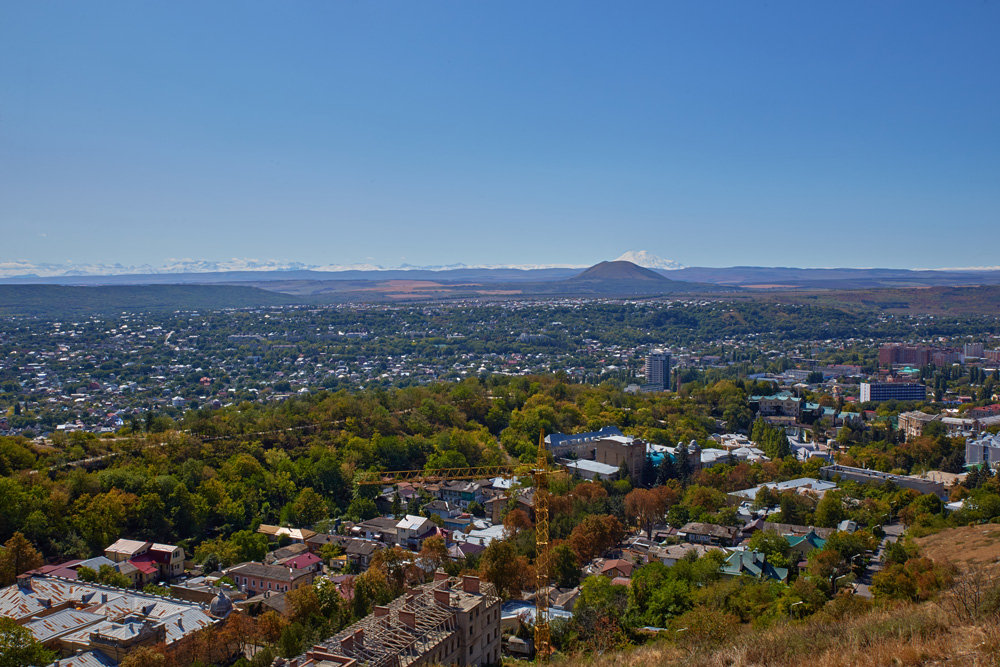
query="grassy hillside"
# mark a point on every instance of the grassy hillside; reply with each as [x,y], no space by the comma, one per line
[925,634]
[982,300]
[966,547]
[959,626]
[65,301]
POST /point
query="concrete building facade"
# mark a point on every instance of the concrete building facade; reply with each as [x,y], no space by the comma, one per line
[985,450]
[657,370]
[892,391]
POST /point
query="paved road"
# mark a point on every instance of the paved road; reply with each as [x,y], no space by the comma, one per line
[893,532]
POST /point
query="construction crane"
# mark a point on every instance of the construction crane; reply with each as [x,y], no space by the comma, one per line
[540,475]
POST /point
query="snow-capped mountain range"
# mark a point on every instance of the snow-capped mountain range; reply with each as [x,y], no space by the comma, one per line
[25,268]
[648,260]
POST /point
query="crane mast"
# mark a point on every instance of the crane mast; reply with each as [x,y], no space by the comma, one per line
[541,474]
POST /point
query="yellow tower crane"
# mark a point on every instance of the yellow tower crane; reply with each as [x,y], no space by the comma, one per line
[540,475]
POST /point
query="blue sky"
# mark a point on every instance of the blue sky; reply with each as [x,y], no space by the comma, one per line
[333,132]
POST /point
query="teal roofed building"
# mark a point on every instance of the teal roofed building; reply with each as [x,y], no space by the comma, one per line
[803,545]
[752,564]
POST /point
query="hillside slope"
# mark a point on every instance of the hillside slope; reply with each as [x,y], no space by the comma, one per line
[64,301]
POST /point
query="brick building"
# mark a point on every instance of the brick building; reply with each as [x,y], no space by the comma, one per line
[451,621]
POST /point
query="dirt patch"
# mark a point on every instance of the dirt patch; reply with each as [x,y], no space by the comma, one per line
[765,286]
[965,546]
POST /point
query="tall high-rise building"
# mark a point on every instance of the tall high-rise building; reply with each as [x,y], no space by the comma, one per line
[658,369]
[974,350]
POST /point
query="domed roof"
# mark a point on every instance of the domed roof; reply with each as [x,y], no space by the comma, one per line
[221,605]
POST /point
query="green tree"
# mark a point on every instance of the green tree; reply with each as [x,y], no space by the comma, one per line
[565,566]
[599,596]
[829,510]
[109,576]
[18,647]
[309,507]
[249,545]
[772,545]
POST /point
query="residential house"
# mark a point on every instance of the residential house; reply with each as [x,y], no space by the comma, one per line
[296,535]
[803,545]
[913,423]
[382,529]
[412,530]
[752,564]
[709,533]
[671,554]
[357,551]
[462,492]
[166,559]
[617,568]
[257,578]
[304,561]
[287,552]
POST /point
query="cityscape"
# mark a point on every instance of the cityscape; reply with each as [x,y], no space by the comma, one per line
[499,334]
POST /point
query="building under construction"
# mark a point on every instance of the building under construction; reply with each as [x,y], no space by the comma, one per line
[450,621]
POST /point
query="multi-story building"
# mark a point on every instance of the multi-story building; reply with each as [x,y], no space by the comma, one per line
[892,391]
[783,405]
[412,530]
[446,622]
[985,411]
[891,354]
[864,475]
[71,617]
[974,350]
[658,370]
[607,446]
[985,450]
[912,423]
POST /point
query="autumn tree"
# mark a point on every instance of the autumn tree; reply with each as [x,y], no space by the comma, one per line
[308,507]
[303,604]
[270,625]
[829,510]
[144,656]
[516,521]
[646,507]
[433,553]
[500,565]
[774,546]
[396,564]
[18,556]
[594,535]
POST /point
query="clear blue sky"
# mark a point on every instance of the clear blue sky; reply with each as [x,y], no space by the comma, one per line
[331,132]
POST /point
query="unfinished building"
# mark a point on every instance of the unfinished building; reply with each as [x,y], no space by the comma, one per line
[450,621]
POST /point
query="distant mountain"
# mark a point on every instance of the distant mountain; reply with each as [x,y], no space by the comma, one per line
[620,270]
[762,277]
[649,260]
[294,279]
[22,271]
